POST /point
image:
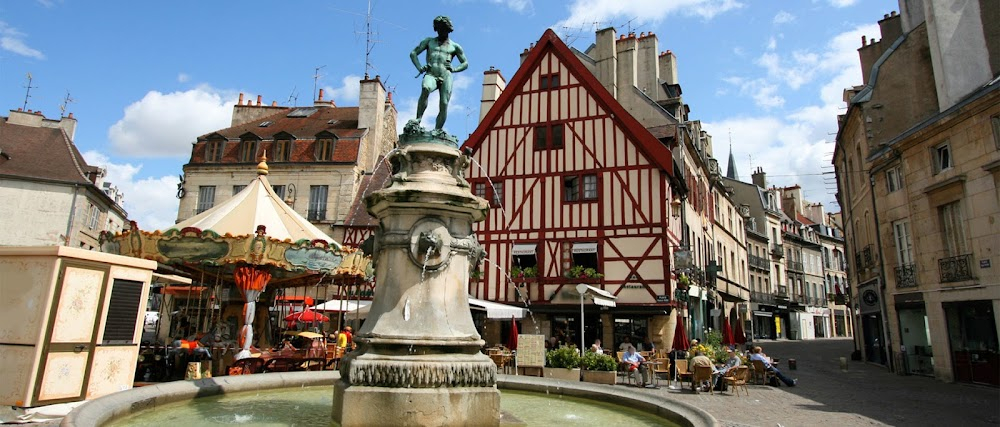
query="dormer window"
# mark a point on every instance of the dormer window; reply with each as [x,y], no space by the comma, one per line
[282,149]
[325,144]
[248,148]
[214,150]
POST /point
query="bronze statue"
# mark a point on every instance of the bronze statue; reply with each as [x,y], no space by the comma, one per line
[437,71]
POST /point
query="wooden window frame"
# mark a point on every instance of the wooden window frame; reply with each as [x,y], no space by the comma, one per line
[282,149]
[548,81]
[214,150]
[324,152]
[581,194]
[550,136]
[248,150]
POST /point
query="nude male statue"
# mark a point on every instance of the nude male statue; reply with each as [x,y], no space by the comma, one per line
[440,52]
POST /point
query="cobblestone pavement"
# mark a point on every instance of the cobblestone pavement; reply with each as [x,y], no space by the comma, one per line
[865,395]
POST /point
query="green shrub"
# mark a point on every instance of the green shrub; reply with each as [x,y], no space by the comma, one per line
[598,362]
[563,357]
[713,338]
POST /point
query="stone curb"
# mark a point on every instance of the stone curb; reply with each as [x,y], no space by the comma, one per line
[113,406]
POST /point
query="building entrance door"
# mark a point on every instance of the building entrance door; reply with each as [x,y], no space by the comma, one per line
[973,338]
[871,324]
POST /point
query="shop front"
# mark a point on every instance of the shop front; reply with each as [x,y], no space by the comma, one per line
[917,356]
[873,337]
[972,333]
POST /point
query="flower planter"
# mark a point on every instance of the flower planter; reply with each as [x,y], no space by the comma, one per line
[568,374]
[600,377]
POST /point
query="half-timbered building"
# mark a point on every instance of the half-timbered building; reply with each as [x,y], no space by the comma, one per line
[581,192]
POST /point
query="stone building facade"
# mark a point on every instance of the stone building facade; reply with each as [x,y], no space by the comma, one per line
[918,167]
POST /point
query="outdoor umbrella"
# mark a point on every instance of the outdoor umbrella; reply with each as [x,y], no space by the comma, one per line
[512,337]
[727,333]
[680,337]
[307,315]
[740,337]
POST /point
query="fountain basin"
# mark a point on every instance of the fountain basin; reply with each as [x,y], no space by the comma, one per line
[118,405]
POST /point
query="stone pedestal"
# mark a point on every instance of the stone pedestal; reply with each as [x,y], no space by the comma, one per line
[418,362]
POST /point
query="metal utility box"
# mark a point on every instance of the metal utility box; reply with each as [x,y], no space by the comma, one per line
[70,322]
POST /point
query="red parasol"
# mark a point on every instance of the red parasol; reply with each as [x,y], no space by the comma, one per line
[512,337]
[740,336]
[307,315]
[680,336]
[727,333]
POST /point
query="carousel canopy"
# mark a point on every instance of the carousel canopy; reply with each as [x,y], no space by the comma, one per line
[256,205]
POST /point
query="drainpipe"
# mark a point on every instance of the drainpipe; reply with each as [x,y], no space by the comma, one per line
[881,277]
[72,215]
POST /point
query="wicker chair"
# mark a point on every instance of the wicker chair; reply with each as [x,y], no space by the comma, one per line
[760,373]
[701,374]
[737,378]
[682,370]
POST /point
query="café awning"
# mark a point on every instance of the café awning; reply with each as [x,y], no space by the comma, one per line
[524,249]
[337,305]
[495,310]
[585,248]
[600,296]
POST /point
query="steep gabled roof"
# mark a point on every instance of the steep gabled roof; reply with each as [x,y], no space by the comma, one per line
[41,153]
[655,151]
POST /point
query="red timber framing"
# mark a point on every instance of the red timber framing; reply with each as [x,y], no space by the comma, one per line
[620,176]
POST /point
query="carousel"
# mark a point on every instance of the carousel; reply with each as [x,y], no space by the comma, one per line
[254,246]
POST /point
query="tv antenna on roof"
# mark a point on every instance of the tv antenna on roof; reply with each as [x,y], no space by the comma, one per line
[27,93]
[66,101]
[293,98]
[316,77]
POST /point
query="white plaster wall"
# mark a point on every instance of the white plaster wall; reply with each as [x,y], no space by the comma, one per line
[34,214]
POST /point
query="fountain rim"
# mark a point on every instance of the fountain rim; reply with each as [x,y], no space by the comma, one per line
[117,405]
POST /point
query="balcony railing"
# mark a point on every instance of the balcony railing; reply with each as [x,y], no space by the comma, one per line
[762,297]
[956,268]
[777,251]
[869,256]
[795,265]
[906,276]
[782,292]
[759,262]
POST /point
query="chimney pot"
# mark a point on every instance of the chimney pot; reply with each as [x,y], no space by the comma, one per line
[274,103]
[259,99]
[642,34]
[71,115]
[320,94]
[240,102]
[30,111]
[20,109]
[864,40]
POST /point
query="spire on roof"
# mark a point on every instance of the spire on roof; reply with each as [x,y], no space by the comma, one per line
[731,173]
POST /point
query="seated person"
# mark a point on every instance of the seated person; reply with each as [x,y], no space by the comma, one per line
[700,359]
[634,361]
[731,362]
[625,344]
[596,347]
[647,345]
[758,354]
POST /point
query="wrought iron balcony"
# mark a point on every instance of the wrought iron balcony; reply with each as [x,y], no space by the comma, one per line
[759,262]
[795,265]
[956,268]
[782,292]
[868,253]
[906,276]
[777,251]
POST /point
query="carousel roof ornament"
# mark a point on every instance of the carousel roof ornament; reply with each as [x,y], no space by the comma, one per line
[253,227]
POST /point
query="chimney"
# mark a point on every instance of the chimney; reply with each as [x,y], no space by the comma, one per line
[891,27]
[321,103]
[68,125]
[524,55]
[626,47]
[493,86]
[648,72]
[606,59]
[259,99]
[240,102]
[668,67]
[759,178]
[371,106]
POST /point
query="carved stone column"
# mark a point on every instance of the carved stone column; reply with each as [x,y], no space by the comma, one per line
[419,361]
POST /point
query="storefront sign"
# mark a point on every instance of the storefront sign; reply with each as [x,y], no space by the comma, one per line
[663,298]
[984,263]
[869,300]
[763,313]
[682,259]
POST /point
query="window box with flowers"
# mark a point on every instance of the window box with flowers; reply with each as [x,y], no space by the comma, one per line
[526,273]
[581,272]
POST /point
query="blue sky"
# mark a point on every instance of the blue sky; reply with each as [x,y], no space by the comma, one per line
[146,78]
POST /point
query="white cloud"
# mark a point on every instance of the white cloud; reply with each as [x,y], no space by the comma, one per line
[584,13]
[764,94]
[772,43]
[842,3]
[183,78]
[783,18]
[165,125]
[149,201]
[348,93]
[519,6]
[12,41]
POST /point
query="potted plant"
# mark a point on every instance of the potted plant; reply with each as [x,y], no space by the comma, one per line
[599,368]
[523,273]
[563,364]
